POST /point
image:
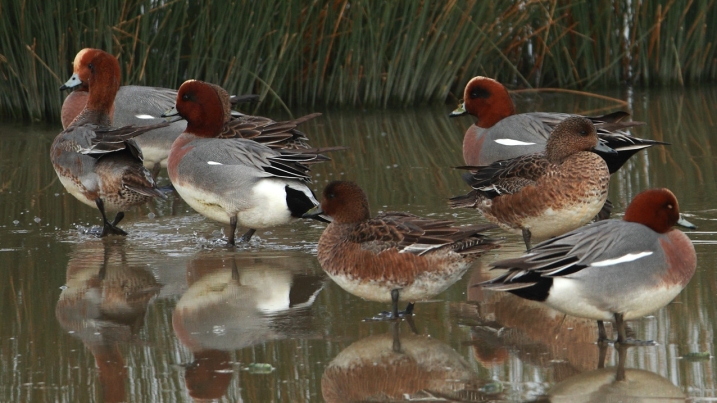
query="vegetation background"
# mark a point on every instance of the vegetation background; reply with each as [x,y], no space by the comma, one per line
[349,53]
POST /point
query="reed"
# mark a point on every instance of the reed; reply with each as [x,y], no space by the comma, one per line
[359,53]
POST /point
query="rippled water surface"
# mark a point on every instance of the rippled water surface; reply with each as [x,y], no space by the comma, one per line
[170,314]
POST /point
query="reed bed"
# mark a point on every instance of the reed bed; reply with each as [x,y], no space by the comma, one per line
[360,53]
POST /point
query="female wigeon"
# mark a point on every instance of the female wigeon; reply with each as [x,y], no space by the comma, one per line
[500,133]
[610,270]
[395,256]
[234,180]
[140,105]
[102,166]
[544,194]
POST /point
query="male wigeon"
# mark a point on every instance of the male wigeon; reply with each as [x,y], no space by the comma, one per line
[140,105]
[233,180]
[610,270]
[102,166]
[544,194]
[500,133]
[395,256]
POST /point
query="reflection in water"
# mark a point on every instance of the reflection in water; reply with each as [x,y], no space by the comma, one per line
[103,304]
[389,367]
[234,302]
[531,330]
[617,384]
[504,326]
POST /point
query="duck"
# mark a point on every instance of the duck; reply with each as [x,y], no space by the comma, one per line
[395,256]
[142,105]
[611,270]
[544,194]
[500,133]
[235,181]
[98,164]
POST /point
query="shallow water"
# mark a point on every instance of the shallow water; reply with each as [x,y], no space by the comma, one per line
[171,314]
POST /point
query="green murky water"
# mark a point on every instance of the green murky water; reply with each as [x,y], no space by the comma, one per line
[162,315]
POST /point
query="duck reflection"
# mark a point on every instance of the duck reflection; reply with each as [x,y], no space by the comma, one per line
[505,325]
[617,384]
[389,367]
[104,304]
[234,302]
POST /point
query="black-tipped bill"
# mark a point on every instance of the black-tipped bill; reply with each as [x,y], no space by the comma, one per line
[459,111]
[73,82]
[603,148]
[318,215]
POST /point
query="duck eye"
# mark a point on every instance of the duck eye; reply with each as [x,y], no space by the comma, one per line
[185,97]
[479,93]
[91,67]
[669,206]
[330,196]
[584,132]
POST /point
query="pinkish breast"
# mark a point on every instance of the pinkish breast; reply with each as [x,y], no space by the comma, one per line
[472,144]
[180,148]
[680,256]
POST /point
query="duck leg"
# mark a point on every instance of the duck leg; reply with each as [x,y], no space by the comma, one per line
[155,171]
[621,356]
[109,228]
[602,354]
[622,338]
[396,347]
[118,218]
[394,300]
[395,314]
[526,238]
[602,334]
[247,236]
[233,225]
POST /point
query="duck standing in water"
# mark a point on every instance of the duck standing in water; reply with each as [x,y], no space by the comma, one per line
[134,105]
[544,194]
[100,165]
[609,270]
[234,180]
[394,256]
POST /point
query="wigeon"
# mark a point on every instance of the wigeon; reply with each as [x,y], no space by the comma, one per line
[140,105]
[544,194]
[610,270]
[395,256]
[233,180]
[102,166]
[499,133]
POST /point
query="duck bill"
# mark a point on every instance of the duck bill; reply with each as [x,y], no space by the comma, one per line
[460,111]
[317,214]
[170,113]
[684,223]
[73,82]
[603,148]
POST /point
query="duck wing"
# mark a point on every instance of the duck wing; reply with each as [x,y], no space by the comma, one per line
[507,176]
[281,135]
[409,233]
[597,246]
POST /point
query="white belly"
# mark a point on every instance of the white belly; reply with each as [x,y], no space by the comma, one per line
[557,222]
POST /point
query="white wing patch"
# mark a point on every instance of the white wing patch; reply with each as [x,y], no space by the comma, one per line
[144,117]
[214,163]
[511,142]
[630,257]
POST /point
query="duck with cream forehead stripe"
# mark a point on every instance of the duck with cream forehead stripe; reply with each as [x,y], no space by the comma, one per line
[100,165]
